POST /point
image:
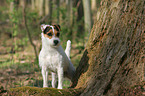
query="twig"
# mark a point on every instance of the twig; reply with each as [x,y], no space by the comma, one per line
[28,32]
[43,19]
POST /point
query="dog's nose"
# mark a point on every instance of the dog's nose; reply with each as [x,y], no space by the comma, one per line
[56,42]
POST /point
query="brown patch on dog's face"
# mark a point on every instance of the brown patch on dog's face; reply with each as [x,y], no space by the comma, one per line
[49,33]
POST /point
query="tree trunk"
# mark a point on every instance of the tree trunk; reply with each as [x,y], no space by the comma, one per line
[11,7]
[94,5]
[114,55]
[69,7]
[41,5]
[79,14]
[57,8]
[48,10]
[87,15]
[33,4]
[47,7]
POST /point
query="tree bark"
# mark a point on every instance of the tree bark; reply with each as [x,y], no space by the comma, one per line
[114,55]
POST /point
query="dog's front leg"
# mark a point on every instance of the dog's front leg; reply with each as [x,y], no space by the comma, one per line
[54,79]
[60,77]
[45,76]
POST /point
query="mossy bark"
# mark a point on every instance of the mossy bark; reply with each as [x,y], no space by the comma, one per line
[114,55]
[35,91]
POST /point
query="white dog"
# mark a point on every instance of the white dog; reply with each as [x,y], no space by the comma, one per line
[52,57]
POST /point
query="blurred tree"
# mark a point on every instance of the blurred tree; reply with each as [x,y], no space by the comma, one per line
[87,15]
[37,4]
[41,7]
[78,21]
[93,4]
[47,6]
[114,56]
[80,12]
[27,30]
[11,6]
[57,8]
[32,4]
[69,7]
[48,10]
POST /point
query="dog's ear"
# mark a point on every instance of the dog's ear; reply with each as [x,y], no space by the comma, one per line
[57,27]
[43,27]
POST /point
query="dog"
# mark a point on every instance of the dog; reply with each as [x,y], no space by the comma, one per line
[52,57]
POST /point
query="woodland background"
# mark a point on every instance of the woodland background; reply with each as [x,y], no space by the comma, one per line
[20,39]
[112,63]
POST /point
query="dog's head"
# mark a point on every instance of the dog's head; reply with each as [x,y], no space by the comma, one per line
[51,33]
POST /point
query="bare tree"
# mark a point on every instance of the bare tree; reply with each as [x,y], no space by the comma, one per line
[28,32]
[93,4]
[41,5]
[57,8]
[69,6]
[87,15]
[33,4]
[11,7]
[47,6]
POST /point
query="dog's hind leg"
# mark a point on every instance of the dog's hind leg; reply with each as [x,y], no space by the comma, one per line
[68,48]
[45,76]
[54,80]
[70,73]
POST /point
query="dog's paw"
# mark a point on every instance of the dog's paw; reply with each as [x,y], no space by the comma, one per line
[44,86]
[59,87]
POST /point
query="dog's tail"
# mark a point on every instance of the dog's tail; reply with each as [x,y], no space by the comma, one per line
[68,48]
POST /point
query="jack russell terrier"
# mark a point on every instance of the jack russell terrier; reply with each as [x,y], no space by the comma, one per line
[52,57]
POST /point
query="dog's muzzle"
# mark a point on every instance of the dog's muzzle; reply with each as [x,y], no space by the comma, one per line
[55,42]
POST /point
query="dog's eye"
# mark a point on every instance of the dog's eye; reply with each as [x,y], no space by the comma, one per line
[57,34]
[49,34]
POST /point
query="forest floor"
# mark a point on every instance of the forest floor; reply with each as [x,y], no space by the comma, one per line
[19,68]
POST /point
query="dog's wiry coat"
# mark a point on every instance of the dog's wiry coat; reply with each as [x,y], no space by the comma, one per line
[52,57]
